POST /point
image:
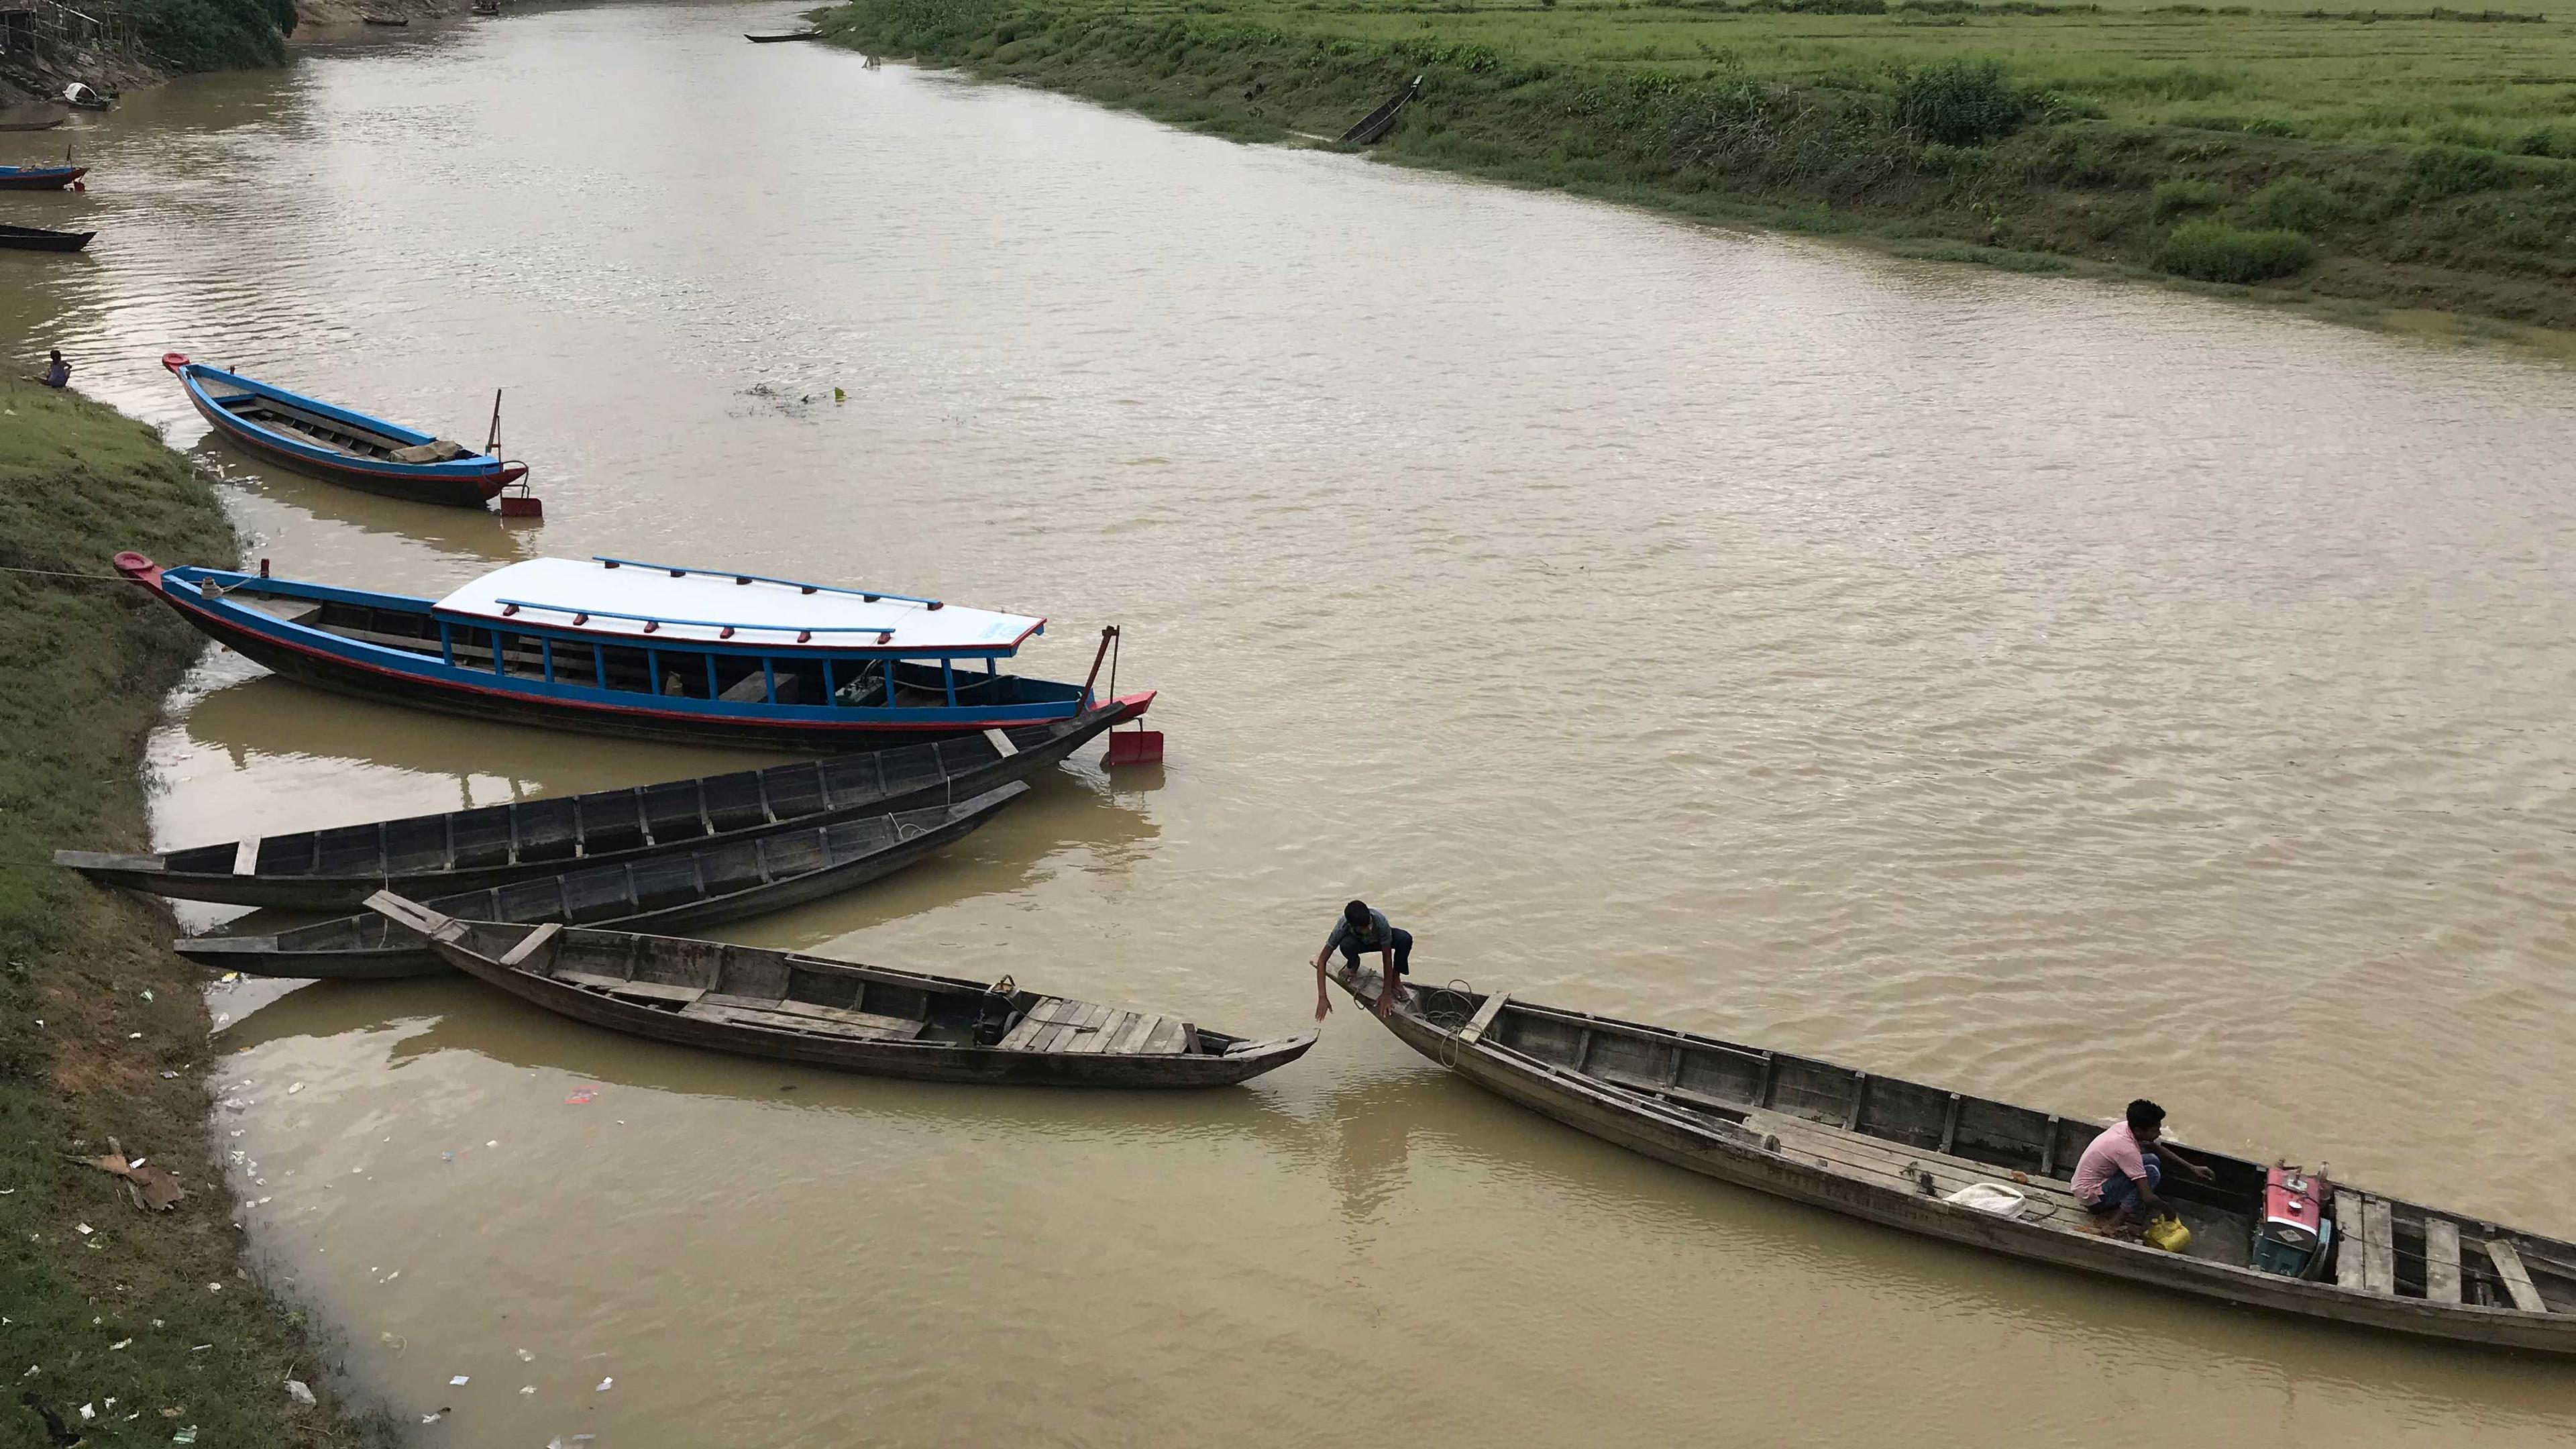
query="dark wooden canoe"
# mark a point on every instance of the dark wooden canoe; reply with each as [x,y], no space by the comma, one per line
[789,35]
[1373,127]
[36,125]
[717,882]
[1865,1145]
[795,1008]
[493,845]
[38,239]
[382,20]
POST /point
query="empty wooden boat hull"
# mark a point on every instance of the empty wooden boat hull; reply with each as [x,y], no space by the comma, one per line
[39,178]
[226,399]
[703,887]
[787,1007]
[38,239]
[1758,1119]
[470,850]
[775,39]
[34,125]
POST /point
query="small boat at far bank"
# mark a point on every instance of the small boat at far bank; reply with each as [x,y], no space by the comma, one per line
[717,882]
[651,651]
[338,445]
[1993,1175]
[40,123]
[38,239]
[40,178]
[789,35]
[787,1007]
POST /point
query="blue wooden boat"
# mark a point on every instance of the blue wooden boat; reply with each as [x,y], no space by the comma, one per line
[337,444]
[613,646]
[39,178]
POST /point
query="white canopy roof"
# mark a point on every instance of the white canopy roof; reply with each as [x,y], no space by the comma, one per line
[658,602]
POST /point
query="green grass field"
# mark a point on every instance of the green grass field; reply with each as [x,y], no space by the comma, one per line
[2406,159]
[103,1032]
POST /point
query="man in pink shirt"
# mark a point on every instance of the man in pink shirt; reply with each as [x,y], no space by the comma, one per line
[2117,1177]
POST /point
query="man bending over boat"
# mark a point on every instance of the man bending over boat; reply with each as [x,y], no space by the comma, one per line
[2117,1177]
[1362,929]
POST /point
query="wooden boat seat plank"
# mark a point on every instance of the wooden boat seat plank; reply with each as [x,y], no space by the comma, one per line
[2349,1270]
[2379,1246]
[2517,1279]
[1485,1017]
[1038,1020]
[291,610]
[869,1029]
[2441,1261]
[587,978]
[532,942]
[658,991]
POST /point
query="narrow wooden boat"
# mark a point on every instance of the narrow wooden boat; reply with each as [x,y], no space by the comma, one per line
[342,446]
[39,178]
[726,881]
[788,1007]
[789,35]
[493,845]
[40,124]
[617,647]
[1898,1152]
[1372,128]
[385,20]
[38,239]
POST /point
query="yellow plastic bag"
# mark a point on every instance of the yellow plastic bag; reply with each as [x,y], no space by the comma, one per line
[2169,1234]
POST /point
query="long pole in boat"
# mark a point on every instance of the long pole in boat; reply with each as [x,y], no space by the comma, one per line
[1107,633]
[492,444]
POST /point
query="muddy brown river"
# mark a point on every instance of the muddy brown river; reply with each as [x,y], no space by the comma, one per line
[2052,690]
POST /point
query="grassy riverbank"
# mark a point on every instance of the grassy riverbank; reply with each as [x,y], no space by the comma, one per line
[94,1010]
[2424,159]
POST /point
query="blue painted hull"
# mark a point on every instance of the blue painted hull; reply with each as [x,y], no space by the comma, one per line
[425,680]
[467,482]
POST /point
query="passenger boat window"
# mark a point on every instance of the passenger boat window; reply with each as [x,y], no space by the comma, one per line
[523,656]
[577,663]
[800,681]
[469,646]
[682,676]
[742,679]
[628,669]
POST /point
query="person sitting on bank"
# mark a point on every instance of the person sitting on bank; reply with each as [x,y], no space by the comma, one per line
[1362,929]
[58,373]
[2117,1177]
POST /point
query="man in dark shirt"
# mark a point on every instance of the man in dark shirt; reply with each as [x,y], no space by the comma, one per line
[58,373]
[1362,929]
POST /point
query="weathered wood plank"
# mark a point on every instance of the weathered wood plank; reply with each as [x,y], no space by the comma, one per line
[816,1026]
[1475,1030]
[2441,1261]
[2349,1253]
[2517,1279]
[1029,1026]
[2379,1246]
[1131,1033]
[532,942]
[1167,1039]
[657,991]
[1096,1039]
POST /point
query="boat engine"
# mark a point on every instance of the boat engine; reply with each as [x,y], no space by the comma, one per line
[2291,1233]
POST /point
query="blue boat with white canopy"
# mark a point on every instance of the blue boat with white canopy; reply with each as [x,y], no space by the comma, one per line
[655,651]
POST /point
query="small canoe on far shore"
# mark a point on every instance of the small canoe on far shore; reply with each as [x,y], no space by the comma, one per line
[37,123]
[38,239]
[786,36]
[789,1007]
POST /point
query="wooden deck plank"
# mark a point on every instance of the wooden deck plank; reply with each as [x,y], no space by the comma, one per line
[2441,1261]
[2379,1246]
[1029,1026]
[1474,1031]
[2349,1252]
[589,978]
[657,991]
[809,1025]
[2517,1279]
[1131,1033]
[1073,1025]
[1169,1039]
[1096,1039]
[1897,1163]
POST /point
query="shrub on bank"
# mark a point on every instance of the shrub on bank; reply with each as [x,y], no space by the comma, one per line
[2213,251]
[215,34]
[2184,193]
[1961,102]
[2294,203]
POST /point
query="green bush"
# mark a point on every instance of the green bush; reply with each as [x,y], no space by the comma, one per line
[2456,170]
[1942,160]
[2212,251]
[1960,102]
[2294,203]
[215,34]
[2184,193]
[926,25]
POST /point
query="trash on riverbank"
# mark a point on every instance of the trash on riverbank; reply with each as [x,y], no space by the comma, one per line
[581,1095]
[300,1393]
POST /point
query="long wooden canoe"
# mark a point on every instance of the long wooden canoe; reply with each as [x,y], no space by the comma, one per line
[1895,1151]
[796,1008]
[720,882]
[492,845]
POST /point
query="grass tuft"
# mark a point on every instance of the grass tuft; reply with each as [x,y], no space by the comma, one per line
[2212,251]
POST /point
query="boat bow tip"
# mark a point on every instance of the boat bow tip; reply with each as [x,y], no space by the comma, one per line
[138,567]
[177,362]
